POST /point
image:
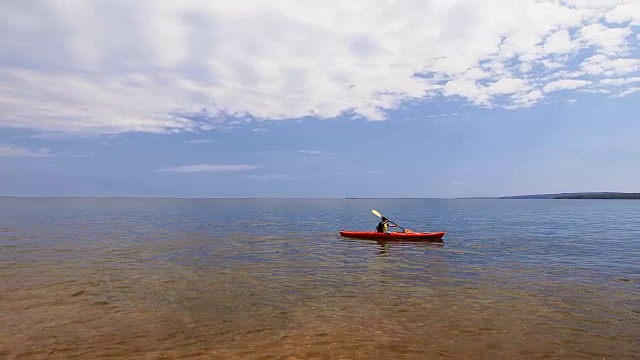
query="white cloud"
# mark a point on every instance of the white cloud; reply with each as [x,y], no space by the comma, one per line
[105,68]
[528,99]
[596,91]
[307,154]
[558,42]
[629,91]
[566,84]
[625,12]
[607,66]
[7,150]
[198,168]
[619,81]
[613,40]
[274,177]
[199,141]
[316,152]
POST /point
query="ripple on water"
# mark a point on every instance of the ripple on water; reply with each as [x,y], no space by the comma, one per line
[157,278]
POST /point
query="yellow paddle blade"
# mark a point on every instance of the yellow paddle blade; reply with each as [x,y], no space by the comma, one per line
[376,213]
[408,231]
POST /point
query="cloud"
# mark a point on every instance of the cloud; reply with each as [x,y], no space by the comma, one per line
[625,12]
[199,141]
[163,67]
[613,39]
[628,91]
[198,168]
[311,152]
[620,81]
[275,177]
[7,150]
[316,153]
[567,84]
[299,154]
[608,66]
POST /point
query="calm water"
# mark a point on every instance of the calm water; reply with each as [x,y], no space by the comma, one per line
[168,278]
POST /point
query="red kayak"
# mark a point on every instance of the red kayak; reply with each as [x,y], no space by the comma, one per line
[393,236]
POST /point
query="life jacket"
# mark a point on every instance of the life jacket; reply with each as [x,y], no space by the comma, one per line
[382,227]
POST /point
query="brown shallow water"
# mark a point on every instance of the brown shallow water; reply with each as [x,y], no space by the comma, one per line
[119,285]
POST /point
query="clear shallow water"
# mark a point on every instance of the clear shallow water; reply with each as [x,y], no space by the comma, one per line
[165,278]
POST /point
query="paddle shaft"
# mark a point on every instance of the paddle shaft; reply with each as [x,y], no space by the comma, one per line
[396,225]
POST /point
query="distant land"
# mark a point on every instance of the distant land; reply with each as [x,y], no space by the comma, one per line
[582,195]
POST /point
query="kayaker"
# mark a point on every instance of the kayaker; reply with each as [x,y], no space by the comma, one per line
[384,225]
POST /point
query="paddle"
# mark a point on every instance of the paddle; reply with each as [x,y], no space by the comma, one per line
[376,213]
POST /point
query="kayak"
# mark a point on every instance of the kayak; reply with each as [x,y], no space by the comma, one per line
[393,236]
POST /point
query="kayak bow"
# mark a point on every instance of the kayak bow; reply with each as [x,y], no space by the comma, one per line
[393,236]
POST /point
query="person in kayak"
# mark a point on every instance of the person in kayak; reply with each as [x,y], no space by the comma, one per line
[383,226]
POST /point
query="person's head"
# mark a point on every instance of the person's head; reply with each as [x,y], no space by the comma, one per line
[384,219]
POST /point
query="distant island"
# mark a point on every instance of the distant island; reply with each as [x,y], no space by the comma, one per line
[628,196]
[583,195]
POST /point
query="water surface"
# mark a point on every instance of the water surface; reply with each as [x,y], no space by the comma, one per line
[244,278]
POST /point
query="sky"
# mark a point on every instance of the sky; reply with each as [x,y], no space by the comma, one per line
[360,98]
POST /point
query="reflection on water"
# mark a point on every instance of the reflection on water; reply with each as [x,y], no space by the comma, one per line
[383,246]
[158,279]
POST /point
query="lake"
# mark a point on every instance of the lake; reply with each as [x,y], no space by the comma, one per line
[272,278]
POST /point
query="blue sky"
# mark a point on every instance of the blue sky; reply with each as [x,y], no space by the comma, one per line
[365,99]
